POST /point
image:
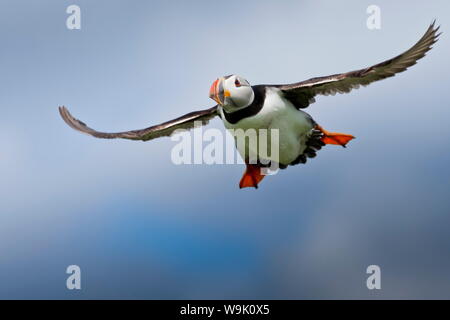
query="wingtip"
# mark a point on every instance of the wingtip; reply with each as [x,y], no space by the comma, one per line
[432,33]
[65,114]
[62,109]
[67,117]
[435,28]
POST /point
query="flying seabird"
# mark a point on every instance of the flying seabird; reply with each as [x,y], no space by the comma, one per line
[280,106]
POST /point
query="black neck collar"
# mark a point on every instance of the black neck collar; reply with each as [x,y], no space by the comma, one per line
[251,110]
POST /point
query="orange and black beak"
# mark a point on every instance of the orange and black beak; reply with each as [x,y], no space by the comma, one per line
[216,92]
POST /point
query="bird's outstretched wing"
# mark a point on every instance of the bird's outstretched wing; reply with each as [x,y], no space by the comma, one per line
[302,94]
[164,129]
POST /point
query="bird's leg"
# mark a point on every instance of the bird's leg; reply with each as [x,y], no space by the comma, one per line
[252,176]
[334,137]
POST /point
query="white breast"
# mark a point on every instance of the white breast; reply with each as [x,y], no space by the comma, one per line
[294,126]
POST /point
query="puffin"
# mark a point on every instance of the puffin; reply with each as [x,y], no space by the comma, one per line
[274,107]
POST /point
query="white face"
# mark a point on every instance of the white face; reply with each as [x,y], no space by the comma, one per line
[232,93]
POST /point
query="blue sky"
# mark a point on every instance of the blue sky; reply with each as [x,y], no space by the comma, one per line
[141,227]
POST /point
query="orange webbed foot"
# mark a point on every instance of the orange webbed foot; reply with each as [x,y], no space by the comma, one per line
[252,176]
[335,138]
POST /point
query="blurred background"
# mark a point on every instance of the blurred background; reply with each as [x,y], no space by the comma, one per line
[141,227]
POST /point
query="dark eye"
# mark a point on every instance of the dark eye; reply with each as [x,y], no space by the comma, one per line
[237,83]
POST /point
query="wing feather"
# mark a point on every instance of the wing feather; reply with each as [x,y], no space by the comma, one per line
[164,129]
[303,93]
